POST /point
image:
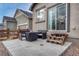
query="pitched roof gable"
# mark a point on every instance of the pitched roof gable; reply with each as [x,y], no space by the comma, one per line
[28,13]
[7,18]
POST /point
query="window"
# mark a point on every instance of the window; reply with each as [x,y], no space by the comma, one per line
[51,18]
[61,14]
[11,25]
[40,14]
[57,19]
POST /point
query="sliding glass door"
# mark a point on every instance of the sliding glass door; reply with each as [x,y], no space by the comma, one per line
[57,17]
[61,17]
[52,18]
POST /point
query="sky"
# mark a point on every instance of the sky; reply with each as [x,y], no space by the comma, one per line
[8,9]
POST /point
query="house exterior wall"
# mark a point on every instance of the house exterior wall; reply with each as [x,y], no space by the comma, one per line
[22,19]
[10,25]
[5,24]
[1,26]
[30,23]
[74,18]
[42,25]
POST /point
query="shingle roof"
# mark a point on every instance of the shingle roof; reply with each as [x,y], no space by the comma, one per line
[25,12]
[8,18]
[32,6]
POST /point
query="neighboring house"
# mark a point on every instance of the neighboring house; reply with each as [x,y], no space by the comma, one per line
[56,16]
[9,23]
[1,26]
[23,18]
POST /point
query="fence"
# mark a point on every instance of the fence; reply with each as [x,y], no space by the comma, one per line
[6,34]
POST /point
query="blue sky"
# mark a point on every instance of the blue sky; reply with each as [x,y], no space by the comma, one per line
[8,9]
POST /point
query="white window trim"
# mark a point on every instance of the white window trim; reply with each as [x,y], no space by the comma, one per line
[37,16]
[66,16]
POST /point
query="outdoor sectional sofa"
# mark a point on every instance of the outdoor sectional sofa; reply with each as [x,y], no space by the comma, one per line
[32,36]
[29,36]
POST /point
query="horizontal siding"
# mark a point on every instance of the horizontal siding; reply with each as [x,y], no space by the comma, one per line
[73,18]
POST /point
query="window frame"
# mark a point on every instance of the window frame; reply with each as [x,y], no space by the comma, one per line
[66,23]
[37,20]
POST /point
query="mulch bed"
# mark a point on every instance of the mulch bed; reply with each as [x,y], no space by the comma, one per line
[73,49]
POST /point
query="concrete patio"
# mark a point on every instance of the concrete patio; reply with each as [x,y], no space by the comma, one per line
[36,48]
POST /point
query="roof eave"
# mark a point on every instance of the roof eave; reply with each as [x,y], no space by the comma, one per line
[32,6]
